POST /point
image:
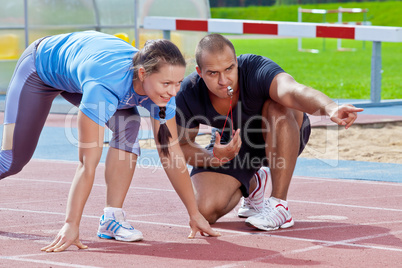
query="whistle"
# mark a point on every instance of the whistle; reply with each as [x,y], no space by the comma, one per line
[230,91]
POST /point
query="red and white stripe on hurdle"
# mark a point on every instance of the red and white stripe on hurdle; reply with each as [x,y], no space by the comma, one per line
[377,34]
[279,28]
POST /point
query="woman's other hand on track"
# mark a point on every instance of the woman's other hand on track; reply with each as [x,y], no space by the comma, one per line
[200,224]
[67,236]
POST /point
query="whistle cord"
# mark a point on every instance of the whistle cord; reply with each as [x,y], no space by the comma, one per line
[231,118]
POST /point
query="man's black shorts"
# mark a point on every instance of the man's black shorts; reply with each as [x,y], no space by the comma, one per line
[249,160]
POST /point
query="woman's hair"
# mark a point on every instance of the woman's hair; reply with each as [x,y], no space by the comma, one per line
[163,134]
[154,55]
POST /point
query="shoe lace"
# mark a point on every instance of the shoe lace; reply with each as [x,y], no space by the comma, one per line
[120,219]
[277,215]
[247,202]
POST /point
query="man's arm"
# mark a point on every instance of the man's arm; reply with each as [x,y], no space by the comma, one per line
[286,91]
[198,156]
[195,154]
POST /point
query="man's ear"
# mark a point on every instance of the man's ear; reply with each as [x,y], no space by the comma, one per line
[198,70]
[141,73]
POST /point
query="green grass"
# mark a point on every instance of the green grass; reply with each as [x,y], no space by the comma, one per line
[379,13]
[338,74]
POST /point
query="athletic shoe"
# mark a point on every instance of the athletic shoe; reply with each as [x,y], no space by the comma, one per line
[275,215]
[118,228]
[254,204]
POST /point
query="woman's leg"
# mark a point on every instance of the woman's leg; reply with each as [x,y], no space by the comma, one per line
[28,104]
[122,155]
[119,170]
[123,151]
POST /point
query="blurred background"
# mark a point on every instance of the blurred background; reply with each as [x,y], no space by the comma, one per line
[338,73]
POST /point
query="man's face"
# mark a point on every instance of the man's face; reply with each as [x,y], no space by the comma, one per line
[219,70]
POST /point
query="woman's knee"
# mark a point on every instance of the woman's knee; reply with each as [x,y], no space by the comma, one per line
[15,168]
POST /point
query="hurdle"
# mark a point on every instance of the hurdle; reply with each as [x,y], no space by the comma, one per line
[324,12]
[364,22]
[376,34]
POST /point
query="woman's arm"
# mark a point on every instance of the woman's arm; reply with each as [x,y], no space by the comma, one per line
[176,169]
[90,137]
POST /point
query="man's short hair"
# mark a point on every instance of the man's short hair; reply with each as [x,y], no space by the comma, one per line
[212,43]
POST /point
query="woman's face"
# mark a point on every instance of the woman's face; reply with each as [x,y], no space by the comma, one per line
[163,85]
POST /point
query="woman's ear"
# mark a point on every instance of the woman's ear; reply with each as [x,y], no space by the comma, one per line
[141,74]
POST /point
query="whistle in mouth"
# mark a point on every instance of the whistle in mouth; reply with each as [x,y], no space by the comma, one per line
[230,91]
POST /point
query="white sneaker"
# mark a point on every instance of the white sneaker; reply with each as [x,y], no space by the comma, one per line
[254,204]
[118,228]
[275,215]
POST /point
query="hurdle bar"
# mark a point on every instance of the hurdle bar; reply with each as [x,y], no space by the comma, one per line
[322,12]
[376,34]
[351,10]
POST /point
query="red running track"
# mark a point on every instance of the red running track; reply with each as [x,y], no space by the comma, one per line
[342,223]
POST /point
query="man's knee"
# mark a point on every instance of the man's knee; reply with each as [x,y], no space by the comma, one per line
[275,115]
[216,194]
[272,108]
[210,214]
[212,210]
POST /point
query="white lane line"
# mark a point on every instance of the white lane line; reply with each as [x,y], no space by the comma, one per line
[384,183]
[336,225]
[270,234]
[42,262]
[324,244]
[95,184]
[171,190]
[90,217]
[351,243]
[344,205]
[348,242]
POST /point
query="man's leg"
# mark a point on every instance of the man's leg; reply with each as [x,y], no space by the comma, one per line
[218,190]
[217,194]
[254,203]
[282,127]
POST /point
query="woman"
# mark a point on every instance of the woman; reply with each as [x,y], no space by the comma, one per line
[106,78]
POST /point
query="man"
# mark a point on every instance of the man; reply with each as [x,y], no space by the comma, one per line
[252,94]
